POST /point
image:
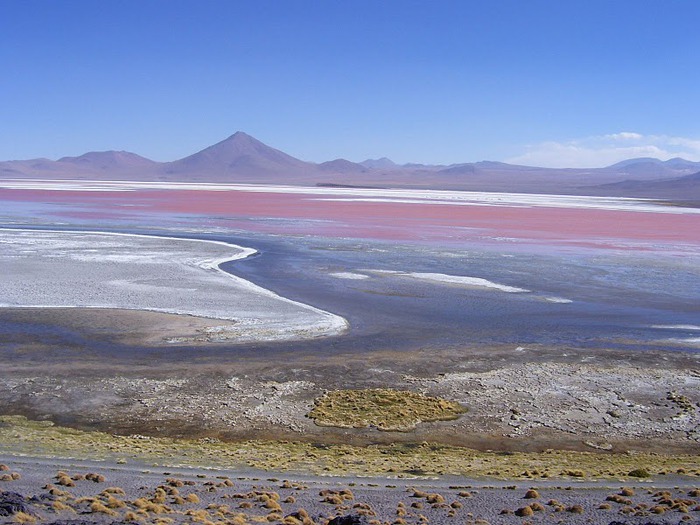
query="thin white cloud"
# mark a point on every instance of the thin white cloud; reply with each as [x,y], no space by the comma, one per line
[625,135]
[604,150]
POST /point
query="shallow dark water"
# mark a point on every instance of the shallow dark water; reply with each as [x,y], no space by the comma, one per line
[617,298]
[612,301]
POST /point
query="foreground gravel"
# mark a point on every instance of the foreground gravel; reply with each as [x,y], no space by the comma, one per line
[48,491]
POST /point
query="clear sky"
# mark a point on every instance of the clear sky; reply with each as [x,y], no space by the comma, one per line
[556,82]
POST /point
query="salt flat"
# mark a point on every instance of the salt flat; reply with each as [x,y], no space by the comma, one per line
[52,269]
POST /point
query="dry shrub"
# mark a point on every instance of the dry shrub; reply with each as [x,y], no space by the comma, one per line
[23,517]
[97,478]
[173,482]
[59,506]
[3,467]
[532,494]
[114,490]
[626,491]
[524,512]
[65,481]
[99,508]
[575,509]
[639,473]
[605,506]
[434,498]
[617,498]
[55,491]
[114,503]
[149,506]
[192,498]
[272,505]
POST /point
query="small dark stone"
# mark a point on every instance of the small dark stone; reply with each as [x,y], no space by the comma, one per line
[11,503]
[84,522]
[350,519]
[638,523]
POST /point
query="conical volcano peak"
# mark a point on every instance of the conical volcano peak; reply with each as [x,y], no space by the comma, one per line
[239,154]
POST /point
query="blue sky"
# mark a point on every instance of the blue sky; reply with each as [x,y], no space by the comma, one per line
[559,83]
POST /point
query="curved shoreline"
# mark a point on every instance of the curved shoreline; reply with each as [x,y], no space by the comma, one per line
[329,324]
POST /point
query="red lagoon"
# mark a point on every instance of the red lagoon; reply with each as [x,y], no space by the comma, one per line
[291,213]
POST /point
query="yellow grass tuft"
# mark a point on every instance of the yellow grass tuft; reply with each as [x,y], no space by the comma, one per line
[23,517]
[100,508]
[192,498]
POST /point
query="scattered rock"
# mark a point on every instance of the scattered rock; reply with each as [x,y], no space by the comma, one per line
[12,503]
[349,519]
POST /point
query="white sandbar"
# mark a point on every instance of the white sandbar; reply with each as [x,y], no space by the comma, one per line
[52,269]
[459,280]
[349,275]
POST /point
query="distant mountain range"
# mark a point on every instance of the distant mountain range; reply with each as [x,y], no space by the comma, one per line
[242,158]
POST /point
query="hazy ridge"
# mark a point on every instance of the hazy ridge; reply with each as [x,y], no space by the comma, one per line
[242,158]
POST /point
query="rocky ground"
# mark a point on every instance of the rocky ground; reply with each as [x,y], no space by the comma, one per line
[45,491]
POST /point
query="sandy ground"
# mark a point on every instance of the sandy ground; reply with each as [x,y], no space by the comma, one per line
[58,491]
[180,276]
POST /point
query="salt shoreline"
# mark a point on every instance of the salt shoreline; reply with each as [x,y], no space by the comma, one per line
[258,314]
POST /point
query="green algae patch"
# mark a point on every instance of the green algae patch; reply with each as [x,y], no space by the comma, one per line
[382,408]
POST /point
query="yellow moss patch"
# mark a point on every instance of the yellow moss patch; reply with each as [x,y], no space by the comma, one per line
[383,408]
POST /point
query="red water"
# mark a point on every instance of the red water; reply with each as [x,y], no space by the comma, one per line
[303,214]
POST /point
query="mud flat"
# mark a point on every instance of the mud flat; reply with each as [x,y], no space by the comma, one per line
[52,269]
[516,400]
